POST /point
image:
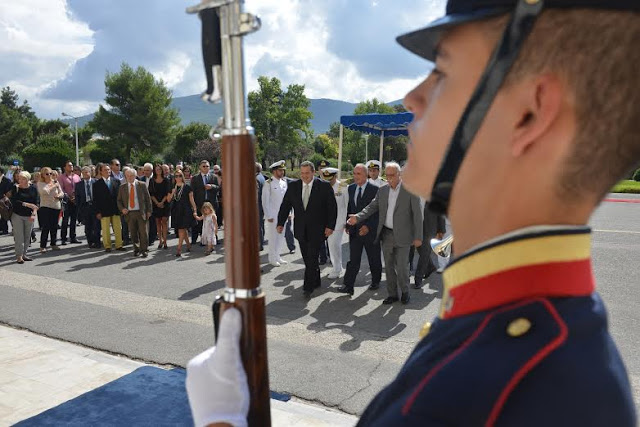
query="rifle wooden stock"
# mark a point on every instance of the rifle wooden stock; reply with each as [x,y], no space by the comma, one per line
[242,263]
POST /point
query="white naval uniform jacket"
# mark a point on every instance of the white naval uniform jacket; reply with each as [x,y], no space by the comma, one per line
[379,182]
[272,195]
[342,200]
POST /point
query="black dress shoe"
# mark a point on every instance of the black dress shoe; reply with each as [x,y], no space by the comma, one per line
[322,262]
[345,290]
[107,250]
[389,300]
[26,258]
[418,284]
[76,241]
[405,298]
[136,252]
[374,286]
[63,243]
[144,254]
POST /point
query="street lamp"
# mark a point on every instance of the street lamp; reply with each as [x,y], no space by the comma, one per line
[77,152]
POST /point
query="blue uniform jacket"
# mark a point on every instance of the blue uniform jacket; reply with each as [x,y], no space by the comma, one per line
[521,340]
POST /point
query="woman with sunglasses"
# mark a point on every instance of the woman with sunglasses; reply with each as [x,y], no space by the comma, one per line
[50,205]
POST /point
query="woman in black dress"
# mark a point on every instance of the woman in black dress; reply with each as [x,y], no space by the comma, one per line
[160,190]
[182,210]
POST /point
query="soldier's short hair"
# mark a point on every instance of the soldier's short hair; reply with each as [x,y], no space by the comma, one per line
[596,53]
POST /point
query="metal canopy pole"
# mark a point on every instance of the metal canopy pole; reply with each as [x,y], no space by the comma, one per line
[340,151]
[381,141]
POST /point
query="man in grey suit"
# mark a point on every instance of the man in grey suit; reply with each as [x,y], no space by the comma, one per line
[399,226]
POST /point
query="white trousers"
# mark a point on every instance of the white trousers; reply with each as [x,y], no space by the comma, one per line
[335,251]
[276,241]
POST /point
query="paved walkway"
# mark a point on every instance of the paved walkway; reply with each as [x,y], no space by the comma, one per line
[49,382]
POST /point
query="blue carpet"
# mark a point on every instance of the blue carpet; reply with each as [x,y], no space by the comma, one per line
[148,396]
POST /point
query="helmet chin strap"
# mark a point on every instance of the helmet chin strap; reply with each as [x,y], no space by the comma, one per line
[502,59]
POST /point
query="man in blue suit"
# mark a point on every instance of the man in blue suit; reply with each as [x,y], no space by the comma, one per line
[362,235]
[86,209]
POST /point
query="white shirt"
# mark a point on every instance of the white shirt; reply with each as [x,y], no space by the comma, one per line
[272,195]
[355,193]
[136,204]
[393,198]
[310,188]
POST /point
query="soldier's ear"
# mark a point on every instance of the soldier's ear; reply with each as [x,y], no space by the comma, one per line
[539,101]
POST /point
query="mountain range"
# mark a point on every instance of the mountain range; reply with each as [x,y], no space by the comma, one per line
[193,109]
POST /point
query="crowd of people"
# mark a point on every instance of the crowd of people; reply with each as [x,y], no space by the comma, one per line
[138,205]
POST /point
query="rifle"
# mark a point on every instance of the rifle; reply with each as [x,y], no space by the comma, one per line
[224,24]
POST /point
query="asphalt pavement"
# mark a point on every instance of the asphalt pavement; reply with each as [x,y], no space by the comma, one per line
[332,350]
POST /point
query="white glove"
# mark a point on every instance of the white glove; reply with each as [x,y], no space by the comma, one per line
[216,381]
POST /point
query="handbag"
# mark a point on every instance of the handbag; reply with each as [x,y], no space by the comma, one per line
[6,208]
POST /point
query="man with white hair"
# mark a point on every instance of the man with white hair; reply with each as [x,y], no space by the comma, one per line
[399,226]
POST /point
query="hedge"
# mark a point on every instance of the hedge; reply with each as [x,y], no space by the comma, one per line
[626,186]
[49,150]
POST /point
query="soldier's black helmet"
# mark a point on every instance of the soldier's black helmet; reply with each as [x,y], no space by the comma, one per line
[523,15]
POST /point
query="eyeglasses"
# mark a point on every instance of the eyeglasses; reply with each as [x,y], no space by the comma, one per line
[116,164]
[46,174]
[206,166]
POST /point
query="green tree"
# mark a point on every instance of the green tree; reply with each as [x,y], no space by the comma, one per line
[139,116]
[187,138]
[16,123]
[373,106]
[281,120]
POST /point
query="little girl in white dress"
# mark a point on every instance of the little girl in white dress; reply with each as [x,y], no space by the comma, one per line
[209,226]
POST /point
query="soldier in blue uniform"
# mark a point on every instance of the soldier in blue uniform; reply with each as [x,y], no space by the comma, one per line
[527,120]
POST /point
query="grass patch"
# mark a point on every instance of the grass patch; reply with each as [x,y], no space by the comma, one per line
[627,187]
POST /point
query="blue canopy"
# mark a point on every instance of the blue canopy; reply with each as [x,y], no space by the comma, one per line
[391,124]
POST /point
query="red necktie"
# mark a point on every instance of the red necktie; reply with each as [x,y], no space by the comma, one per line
[132,200]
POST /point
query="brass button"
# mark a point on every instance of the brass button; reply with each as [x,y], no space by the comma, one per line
[518,327]
[425,330]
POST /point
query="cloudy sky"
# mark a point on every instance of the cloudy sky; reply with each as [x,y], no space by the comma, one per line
[55,53]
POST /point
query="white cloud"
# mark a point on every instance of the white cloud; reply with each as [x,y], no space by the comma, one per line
[341,49]
[39,42]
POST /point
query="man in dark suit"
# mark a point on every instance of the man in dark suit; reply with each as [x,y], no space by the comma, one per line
[205,189]
[5,187]
[315,210]
[433,225]
[86,211]
[399,225]
[105,196]
[362,235]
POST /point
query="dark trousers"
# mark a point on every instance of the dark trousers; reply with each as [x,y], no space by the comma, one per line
[196,230]
[153,230]
[125,230]
[48,225]
[324,252]
[425,263]
[288,236]
[261,228]
[69,221]
[356,244]
[311,267]
[91,224]
[219,213]
[4,226]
